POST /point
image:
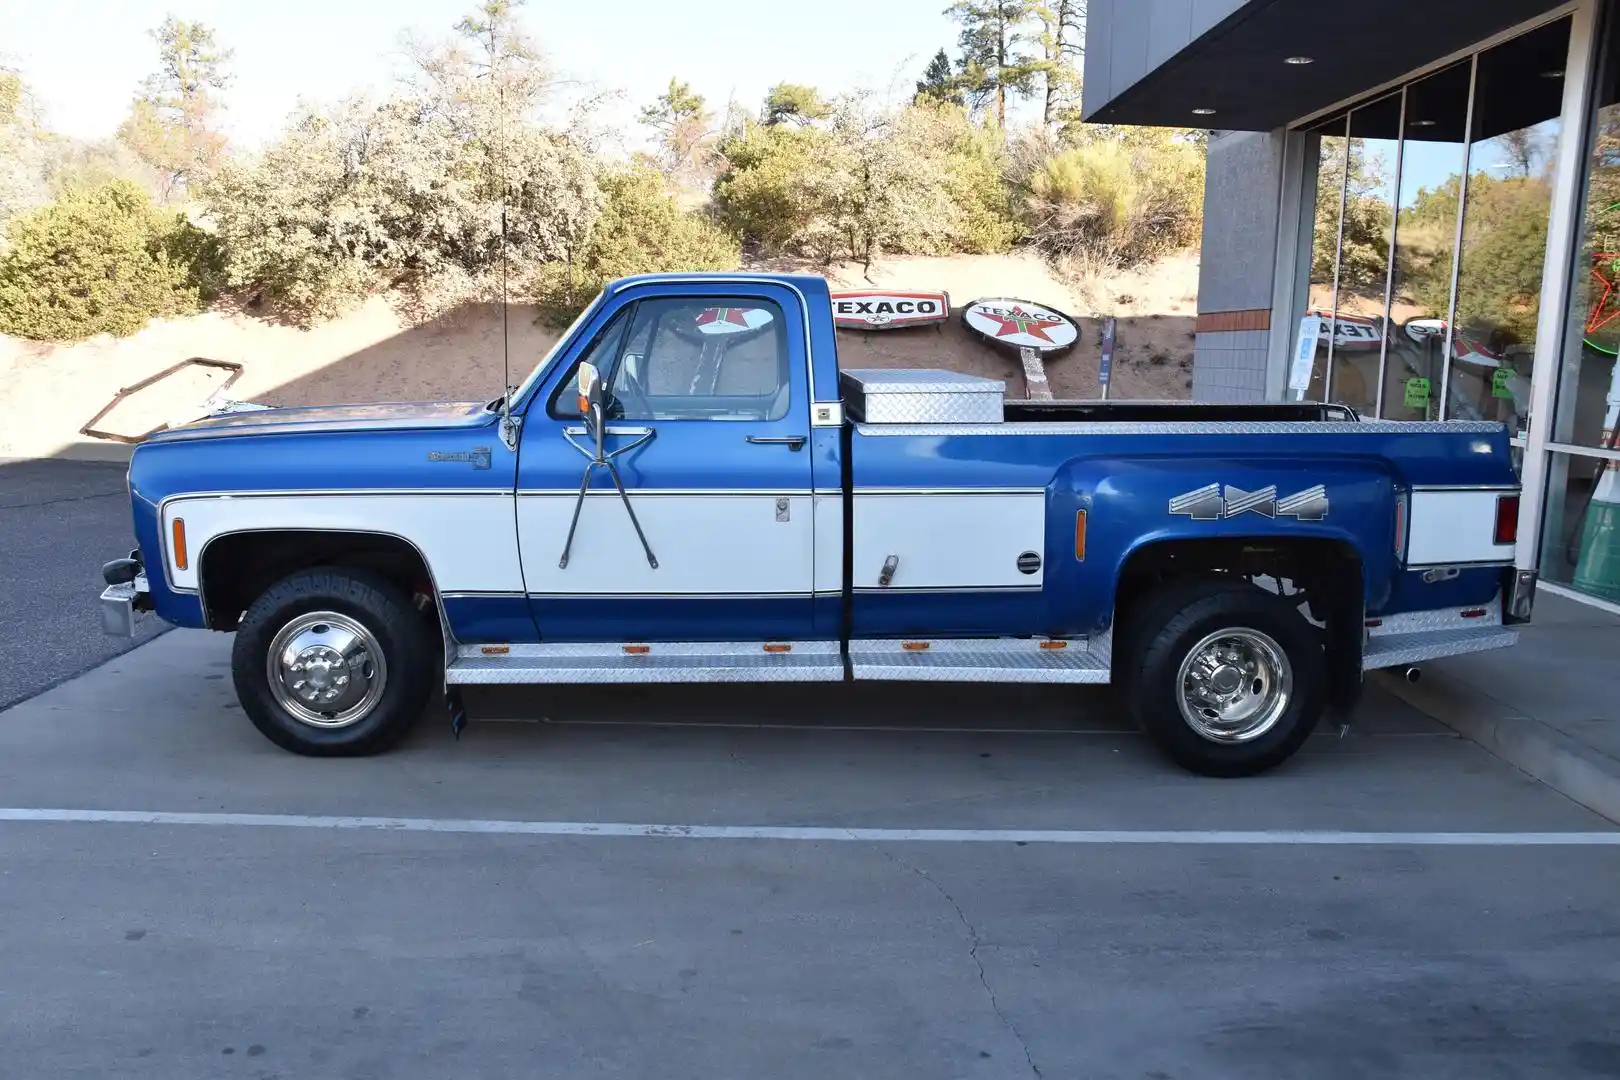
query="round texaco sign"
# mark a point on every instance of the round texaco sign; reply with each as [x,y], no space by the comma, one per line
[1019,324]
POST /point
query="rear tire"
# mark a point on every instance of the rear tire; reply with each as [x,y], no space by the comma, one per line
[334,663]
[1225,678]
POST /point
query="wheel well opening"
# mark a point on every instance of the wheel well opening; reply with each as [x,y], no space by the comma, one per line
[237,568]
[1323,576]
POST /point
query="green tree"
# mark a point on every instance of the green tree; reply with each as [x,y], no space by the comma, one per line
[1118,197]
[791,101]
[369,195]
[641,231]
[996,51]
[681,121]
[778,185]
[939,81]
[1364,251]
[1063,37]
[101,260]
[171,122]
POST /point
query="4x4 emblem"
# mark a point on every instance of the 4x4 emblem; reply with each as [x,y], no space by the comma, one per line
[1209,504]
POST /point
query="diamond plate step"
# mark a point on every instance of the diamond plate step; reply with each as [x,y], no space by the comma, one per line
[995,660]
[667,662]
[1395,650]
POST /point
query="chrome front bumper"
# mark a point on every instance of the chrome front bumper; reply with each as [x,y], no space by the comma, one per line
[122,605]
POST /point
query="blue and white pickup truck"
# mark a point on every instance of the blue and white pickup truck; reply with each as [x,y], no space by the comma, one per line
[688,489]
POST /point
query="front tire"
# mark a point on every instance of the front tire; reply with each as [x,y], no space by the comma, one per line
[1228,680]
[333,663]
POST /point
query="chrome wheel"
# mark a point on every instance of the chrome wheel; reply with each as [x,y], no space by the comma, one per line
[1234,685]
[326,670]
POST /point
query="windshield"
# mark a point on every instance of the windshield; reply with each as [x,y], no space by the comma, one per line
[539,371]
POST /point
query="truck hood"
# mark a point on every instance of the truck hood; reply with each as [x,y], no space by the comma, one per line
[332,418]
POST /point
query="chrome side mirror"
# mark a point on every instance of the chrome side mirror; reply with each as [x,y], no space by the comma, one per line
[590,403]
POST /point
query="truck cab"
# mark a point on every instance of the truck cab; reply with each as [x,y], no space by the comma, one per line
[688,489]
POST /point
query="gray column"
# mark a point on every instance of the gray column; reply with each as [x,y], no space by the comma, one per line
[1236,273]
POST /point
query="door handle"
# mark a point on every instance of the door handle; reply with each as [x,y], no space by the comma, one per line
[792,442]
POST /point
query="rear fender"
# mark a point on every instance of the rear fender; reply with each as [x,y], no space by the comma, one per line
[1132,503]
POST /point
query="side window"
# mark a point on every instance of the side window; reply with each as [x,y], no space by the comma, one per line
[604,353]
[720,358]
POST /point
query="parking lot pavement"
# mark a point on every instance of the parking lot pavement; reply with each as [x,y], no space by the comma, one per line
[59,521]
[293,945]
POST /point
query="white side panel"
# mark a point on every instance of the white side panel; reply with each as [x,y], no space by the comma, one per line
[1455,527]
[706,543]
[468,540]
[948,540]
[829,543]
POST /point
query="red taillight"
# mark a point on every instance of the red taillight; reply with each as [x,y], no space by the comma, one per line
[1507,519]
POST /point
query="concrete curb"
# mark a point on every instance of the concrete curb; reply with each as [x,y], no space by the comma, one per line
[1578,772]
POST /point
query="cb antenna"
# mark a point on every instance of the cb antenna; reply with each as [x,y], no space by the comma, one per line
[509,423]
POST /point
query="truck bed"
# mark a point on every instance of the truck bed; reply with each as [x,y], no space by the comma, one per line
[1092,412]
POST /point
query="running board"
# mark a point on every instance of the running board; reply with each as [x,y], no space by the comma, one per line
[985,660]
[672,662]
[1398,650]
[1415,636]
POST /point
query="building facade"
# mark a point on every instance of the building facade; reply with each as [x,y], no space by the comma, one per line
[1412,209]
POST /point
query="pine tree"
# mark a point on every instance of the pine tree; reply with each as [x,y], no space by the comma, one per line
[170,124]
[791,101]
[996,51]
[939,81]
[1063,37]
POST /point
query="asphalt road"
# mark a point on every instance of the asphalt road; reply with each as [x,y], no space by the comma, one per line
[489,932]
[59,521]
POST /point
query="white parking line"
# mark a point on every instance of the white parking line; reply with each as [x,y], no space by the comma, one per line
[1214,837]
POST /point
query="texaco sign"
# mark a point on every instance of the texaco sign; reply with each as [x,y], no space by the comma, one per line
[1019,324]
[889,310]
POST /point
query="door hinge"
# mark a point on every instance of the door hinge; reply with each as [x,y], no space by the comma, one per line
[509,431]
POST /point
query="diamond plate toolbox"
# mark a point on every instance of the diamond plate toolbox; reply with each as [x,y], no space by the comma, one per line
[908,396]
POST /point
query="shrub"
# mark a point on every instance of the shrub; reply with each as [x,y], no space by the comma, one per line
[641,230]
[920,180]
[779,185]
[101,260]
[370,195]
[984,216]
[1125,198]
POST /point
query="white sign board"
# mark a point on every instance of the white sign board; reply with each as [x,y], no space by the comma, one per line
[1299,374]
[1019,324]
[889,310]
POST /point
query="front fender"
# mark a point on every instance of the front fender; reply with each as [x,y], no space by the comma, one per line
[1131,503]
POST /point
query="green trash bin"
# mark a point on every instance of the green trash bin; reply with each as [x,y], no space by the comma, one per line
[1597,573]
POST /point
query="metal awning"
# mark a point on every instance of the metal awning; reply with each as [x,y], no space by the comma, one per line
[1238,67]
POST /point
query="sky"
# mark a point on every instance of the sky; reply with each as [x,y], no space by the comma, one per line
[86,58]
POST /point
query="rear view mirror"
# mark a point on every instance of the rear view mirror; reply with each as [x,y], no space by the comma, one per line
[590,388]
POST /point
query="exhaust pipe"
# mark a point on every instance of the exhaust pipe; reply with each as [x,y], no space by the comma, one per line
[1412,673]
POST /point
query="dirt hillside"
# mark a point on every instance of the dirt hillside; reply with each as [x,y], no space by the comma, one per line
[47,392]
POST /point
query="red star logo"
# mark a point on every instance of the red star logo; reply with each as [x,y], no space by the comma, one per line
[732,316]
[1019,321]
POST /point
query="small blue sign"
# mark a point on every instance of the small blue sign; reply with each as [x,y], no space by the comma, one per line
[1106,365]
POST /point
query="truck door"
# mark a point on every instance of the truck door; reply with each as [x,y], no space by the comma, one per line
[706,398]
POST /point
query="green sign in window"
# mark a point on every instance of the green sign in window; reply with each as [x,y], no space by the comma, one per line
[1499,382]
[1417,393]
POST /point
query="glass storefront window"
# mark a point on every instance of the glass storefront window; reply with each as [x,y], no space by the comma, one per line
[1432,162]
[1518,98]
[1442,330]
[1581,535]
[1323,284]
[1361,323]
